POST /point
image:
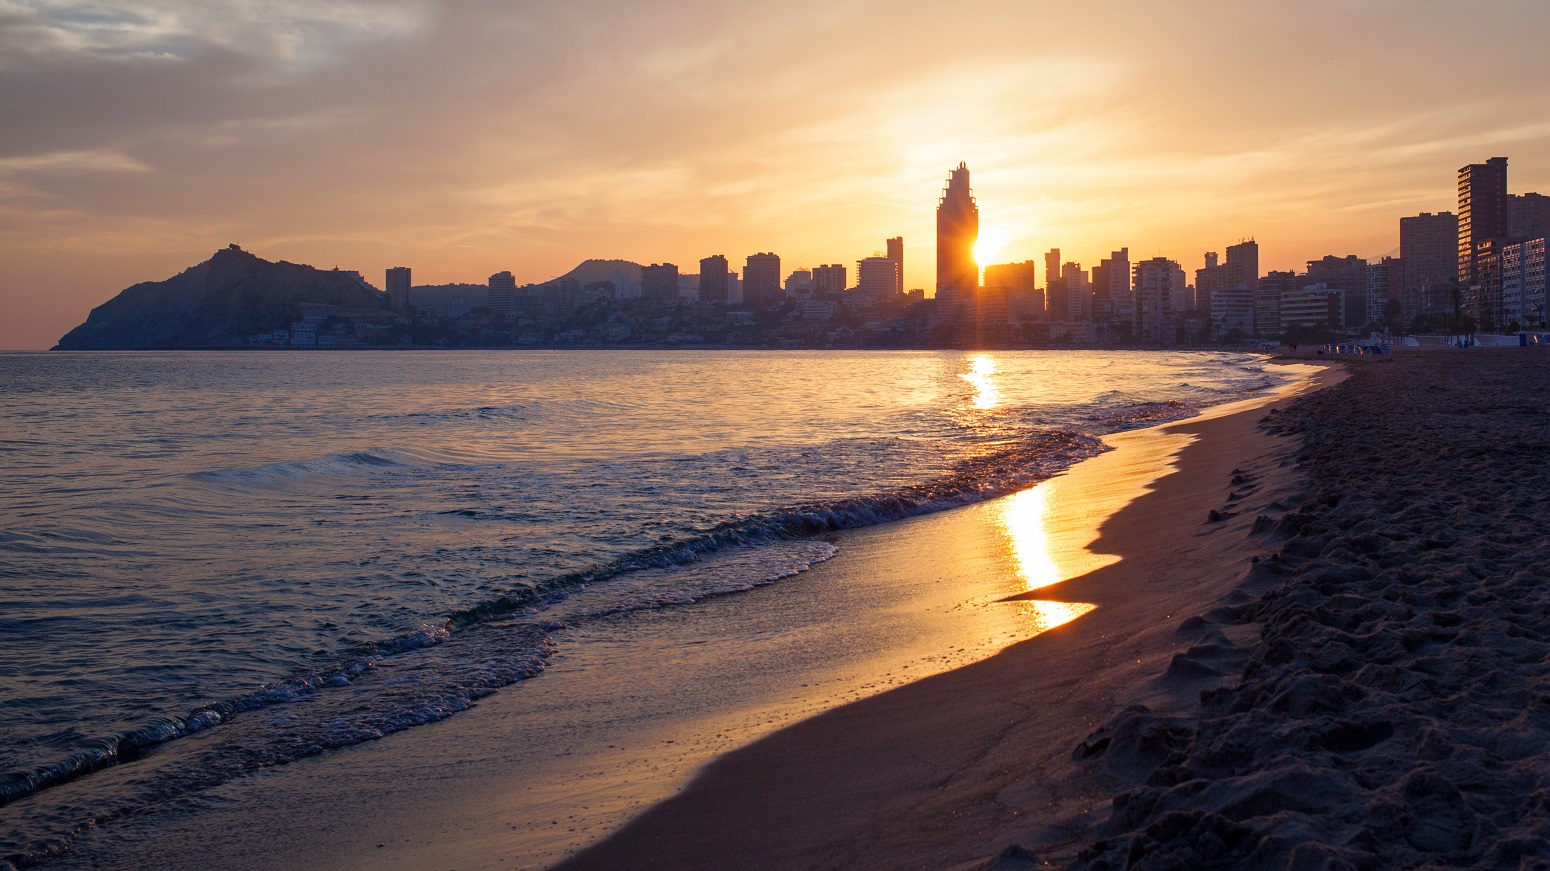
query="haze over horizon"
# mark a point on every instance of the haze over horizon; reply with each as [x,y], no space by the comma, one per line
[464,138]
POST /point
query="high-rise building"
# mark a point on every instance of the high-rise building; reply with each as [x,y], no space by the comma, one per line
[1057,301]
[829,279]
[1429,246]
[1162,295]
[398,286]
[503,293]
[1243,265]
[1112,300]
[1347,274]
[1312,307]
[1385,281]
[957,232]
[1078,292]
[659,282]
[896,254]
[1483,211]
[713,279]
[1528,216]
[761,280]
[1019,283]
[877,278]
[1524,299]
[1267,301]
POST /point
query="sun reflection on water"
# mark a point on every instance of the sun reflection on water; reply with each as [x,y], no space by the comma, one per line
[1025,519]
[982,369]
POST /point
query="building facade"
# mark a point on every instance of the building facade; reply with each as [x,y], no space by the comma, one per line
[1524,300]
[1348,274]
[1314,307]
[1162,296]
[1483,212]
[829,279]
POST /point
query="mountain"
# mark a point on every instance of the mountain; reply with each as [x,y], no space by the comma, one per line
[617,271]
[220,302]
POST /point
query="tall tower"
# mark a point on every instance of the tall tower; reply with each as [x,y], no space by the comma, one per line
[957,231]
[761,280]
[398,286]
[896,254]
[1482,210]
[713,279]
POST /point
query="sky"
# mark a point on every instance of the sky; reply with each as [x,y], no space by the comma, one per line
[466,137]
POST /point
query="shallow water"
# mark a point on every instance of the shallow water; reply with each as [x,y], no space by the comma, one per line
[189,537]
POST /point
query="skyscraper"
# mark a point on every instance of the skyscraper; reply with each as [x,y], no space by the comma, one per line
[896,254]
[1112,300]
[398,286]
[957,231]
[1057,302]
[1162,295]
[1243,265]
[1483,211]
[761,280]
[713,279]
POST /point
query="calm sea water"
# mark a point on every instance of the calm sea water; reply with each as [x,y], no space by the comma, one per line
[190,540]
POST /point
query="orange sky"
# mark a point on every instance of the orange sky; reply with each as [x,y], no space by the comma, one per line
[463,138]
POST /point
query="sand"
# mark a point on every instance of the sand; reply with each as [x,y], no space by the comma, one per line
[982,766]
[1395,712]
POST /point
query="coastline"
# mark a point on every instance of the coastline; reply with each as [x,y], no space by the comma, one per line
[951,770]
[459,793]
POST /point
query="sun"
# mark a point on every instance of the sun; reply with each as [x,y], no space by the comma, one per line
[991,241]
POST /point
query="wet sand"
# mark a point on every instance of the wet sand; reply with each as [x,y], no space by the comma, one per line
[955,770]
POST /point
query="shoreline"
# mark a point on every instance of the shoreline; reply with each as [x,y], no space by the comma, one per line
[951,770]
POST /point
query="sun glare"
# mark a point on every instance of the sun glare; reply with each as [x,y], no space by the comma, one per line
[988,248]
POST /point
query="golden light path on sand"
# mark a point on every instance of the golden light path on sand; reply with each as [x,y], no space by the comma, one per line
[1023,520]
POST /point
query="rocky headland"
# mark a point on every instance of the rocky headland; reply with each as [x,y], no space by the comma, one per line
[218,303]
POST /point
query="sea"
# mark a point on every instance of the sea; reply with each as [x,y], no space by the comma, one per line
[188,539]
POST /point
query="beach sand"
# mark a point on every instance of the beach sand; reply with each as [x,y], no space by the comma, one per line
[856,716]
[1396,713]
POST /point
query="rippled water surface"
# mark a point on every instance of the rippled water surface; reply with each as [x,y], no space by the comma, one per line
[185,537]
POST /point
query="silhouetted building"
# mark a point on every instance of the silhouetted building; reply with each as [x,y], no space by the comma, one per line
[1078,292]
[1019,283]
[799,284]
[1528,216]
[1113,302]
[896,254]
[761,280]
[713,279]
[398,286]
[1483,211]
[1243,265]
[957,232]
[1429,245]
[876,278]
[1267,301]
[1057,303]
[503,293]
[829,279]
[1162,296]
[1349,275]
[659,282]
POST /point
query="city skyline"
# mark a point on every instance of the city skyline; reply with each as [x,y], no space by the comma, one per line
[465,139]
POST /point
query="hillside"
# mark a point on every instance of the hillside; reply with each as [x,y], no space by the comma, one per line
[217,303]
